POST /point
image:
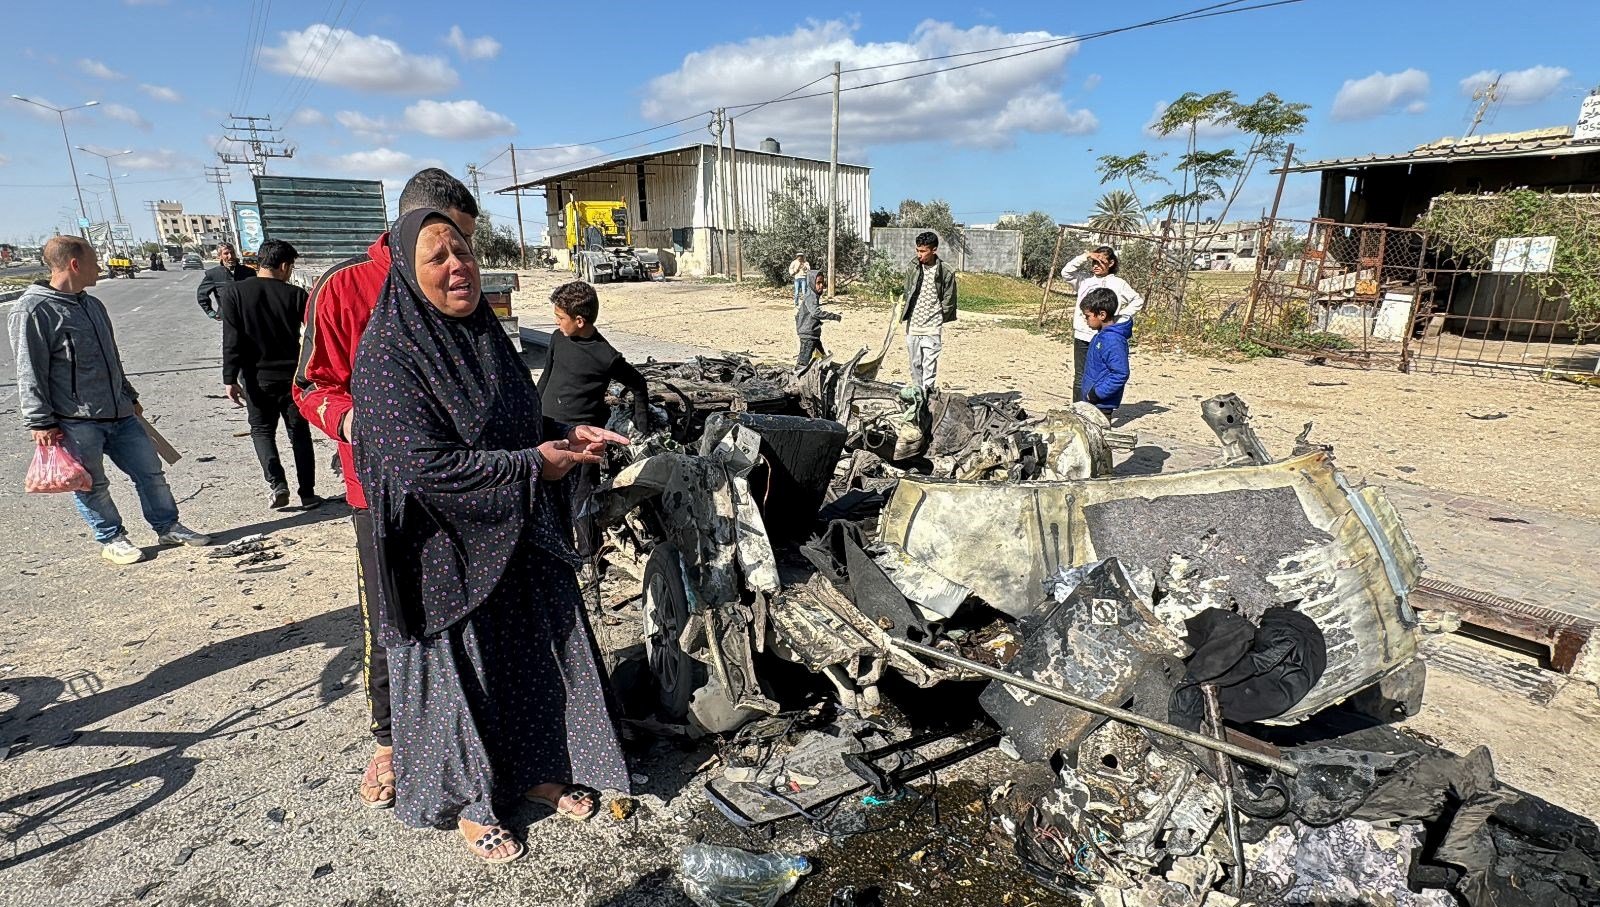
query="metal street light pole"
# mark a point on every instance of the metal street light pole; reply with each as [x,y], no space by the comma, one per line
[117,208]
[61,114]
[115,205]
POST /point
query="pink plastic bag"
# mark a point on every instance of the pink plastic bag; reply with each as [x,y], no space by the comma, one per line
[55,469]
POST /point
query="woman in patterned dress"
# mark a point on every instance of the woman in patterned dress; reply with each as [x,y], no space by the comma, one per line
[494,675]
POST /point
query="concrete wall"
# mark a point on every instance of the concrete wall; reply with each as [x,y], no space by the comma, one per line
[988,251]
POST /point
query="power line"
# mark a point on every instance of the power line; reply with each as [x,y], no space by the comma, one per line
[255,56]
[337,36]
[300,68]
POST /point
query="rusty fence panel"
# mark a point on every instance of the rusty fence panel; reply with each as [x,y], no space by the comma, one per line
[1348,295]
[1371,295]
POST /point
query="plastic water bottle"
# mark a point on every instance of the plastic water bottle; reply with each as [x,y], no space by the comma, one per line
[726,877]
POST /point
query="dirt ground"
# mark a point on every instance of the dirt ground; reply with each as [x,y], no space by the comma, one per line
[1510,438]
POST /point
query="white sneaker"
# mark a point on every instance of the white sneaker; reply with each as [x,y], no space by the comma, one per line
[122,552]
[180,534]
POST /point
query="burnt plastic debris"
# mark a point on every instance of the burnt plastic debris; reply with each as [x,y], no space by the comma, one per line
[1093,642]
[726,877]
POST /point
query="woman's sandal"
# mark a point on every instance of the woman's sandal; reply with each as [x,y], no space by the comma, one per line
[376,792]
[492,838]
[571,803]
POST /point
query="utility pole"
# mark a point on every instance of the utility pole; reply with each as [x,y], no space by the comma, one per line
[221,176]
[833,186]
[472,174]
[155,217]
[719,200]
[115,204]
[738,222]
[257,149]
[522,240]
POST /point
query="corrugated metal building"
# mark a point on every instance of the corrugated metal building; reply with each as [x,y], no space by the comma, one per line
[675,197]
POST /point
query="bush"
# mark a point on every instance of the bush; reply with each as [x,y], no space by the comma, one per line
[495,247]
[800,224]
[883,278]
[1039,234]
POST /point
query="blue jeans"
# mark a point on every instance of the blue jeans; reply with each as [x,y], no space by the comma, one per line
[799,288]
[125,442]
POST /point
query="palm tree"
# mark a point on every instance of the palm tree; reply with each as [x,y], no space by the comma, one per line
[1117,212]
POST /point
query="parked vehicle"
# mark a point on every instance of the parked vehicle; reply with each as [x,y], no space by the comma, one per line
[120,264]
[601,245]
[193,262]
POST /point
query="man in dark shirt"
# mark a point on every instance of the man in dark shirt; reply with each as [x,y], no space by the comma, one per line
[227,272]
[578,367]
[261,319]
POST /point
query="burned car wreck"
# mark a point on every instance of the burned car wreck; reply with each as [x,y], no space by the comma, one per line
[1158,644]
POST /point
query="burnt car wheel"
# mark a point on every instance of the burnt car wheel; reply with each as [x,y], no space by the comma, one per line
[666,613]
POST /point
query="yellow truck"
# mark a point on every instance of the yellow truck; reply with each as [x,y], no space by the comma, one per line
[600,245]
[120,264]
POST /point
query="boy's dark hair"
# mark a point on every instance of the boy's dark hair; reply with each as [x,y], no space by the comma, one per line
[275,253]
[434,188]
[1101,301]
[578,300]
[928,239]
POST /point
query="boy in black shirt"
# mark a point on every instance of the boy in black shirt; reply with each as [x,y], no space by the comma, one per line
[578,367]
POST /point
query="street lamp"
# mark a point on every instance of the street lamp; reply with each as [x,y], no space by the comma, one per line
[61,113]
[115,205]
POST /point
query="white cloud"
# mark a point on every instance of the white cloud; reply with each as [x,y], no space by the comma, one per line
[540,161]
[378,163]
[125,114]
[161,93]
[162,159]
[1092,81]
[1208,129]
[99,70]
[1380,93]
[372,129]
[362,62]
[1519,88]
[484,48]
[4,160]
[457,120]
[308,116]
[979,106]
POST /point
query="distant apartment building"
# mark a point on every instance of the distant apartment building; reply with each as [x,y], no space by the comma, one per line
[197,228]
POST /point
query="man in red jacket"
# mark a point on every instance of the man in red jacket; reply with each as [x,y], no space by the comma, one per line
[336,316]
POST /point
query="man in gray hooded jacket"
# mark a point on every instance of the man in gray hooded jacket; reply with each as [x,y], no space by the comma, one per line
[72,389]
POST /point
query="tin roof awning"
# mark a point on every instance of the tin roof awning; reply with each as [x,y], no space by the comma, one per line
[1532,143]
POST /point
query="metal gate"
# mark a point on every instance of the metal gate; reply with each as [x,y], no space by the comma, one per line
[1372,295]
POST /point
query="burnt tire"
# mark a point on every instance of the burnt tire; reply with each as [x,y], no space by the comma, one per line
[666,613]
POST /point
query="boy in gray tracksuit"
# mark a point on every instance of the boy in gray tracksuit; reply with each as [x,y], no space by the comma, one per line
[808,318]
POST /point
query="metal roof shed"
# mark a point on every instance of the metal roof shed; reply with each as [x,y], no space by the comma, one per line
[674,196]
[1395,189]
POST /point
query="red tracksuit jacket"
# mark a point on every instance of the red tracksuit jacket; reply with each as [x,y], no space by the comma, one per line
[338,312]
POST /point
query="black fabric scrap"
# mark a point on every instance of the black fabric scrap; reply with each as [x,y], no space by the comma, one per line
[1260,671]
[1518,851]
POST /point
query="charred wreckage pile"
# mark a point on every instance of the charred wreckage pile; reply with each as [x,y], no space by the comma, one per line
[1138,640]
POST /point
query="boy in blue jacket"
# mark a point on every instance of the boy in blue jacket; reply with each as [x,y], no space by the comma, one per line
[1105,370]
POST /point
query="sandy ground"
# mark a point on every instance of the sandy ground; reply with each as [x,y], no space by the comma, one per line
[1510,438]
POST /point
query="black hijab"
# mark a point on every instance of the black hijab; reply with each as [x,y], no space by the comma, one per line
[446,424]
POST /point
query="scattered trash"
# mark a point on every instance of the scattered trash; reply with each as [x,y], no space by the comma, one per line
[140,892]
[1486,415]
[205,459]
[183,855]
[623,807]
[322,870]
[725,877]
[851,896]
[250,544]
[639,779]
[276,815]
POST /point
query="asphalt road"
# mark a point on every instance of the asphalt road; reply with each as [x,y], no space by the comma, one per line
[190,731]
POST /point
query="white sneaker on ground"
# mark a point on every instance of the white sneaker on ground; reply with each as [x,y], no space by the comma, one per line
[180,534]
[121,552]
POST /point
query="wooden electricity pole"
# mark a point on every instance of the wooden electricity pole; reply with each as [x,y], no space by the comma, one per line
[720,199]
[522,240]
[833,187]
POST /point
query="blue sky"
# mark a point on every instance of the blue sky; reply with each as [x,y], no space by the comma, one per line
[404,84]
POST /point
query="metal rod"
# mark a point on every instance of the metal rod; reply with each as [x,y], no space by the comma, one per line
[1100,708]
[1213,706]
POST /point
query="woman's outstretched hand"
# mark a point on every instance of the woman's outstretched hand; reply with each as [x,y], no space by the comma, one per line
[586,437]
[560,458]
